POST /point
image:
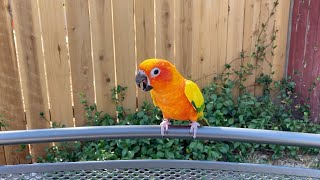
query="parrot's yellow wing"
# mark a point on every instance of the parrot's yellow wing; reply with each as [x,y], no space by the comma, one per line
[194,96]
[153,99]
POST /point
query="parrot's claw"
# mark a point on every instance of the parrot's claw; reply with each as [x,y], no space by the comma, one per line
[164,126]
[194,128]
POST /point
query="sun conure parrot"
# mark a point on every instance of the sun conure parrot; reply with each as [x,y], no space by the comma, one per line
[177,97]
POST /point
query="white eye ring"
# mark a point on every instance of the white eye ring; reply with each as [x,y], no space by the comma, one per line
[155,72]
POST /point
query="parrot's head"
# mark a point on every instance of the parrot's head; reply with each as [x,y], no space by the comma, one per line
[156,74]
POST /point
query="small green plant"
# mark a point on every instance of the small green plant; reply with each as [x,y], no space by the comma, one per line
[3,122]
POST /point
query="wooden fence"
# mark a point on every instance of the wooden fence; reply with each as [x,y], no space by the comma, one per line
[51,51]
[304,54]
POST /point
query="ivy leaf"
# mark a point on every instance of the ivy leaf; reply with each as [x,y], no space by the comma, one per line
[169,155]
[124,152]
[160,154]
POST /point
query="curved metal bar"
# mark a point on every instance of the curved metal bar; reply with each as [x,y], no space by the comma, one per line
[153,131]
[149,164]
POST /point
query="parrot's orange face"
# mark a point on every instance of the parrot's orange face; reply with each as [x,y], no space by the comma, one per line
[155,74]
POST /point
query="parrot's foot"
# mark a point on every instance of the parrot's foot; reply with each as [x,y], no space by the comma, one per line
[164,126]
[194,128]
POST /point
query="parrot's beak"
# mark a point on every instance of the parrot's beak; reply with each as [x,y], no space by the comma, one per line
[141,77]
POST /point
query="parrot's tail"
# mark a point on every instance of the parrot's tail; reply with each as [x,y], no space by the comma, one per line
[203,121]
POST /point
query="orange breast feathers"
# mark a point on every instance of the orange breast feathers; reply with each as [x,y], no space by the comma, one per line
[174,104]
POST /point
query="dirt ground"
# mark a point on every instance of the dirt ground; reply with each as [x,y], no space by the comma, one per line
[307,161]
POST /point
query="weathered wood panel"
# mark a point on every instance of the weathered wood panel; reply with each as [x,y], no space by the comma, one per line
[219,33]
[79,39]
[124,36]
[304,64]
[56,60]
[103,54]
[30,57]
[164,29]
[235,36]
[183,36]
[266,18]
[201,44]
[251,31]
[281,25]
[11,106]
[145,37]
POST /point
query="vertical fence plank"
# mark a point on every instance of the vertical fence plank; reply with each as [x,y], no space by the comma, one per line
[145,37]
[80,56]
[293,36]
[123,14]
[251,31]
[183,36]
[164,29]
[56,59]
[311,60]
[3,6]
[2,156]
[304,52]
[235,35]
[103,56]
[218,40]
[267,6]
[315,97]
[281,24]
[30,57]
[11,106]
[268,32]
[300,31]
[201,44]
[307,62]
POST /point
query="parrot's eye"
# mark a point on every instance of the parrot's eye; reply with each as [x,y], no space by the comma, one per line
[155,72]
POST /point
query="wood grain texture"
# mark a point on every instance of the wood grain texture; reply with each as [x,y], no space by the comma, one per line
[201,44]
[79,37]
[281,24]
[313,67]
[103,56]
[56,61]
[165,29]
[219,33]
[300,30]
[145,37]
[235,36]
[30,57]
[310,41]
[183,36]
[304,54]
[315,97]
[123,14]
[11,106]
[293,37]
[2,156]
[251,30]
[265,66]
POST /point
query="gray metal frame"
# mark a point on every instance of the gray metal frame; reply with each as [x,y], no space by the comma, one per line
[129,132]
[150,164]
[118,132]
